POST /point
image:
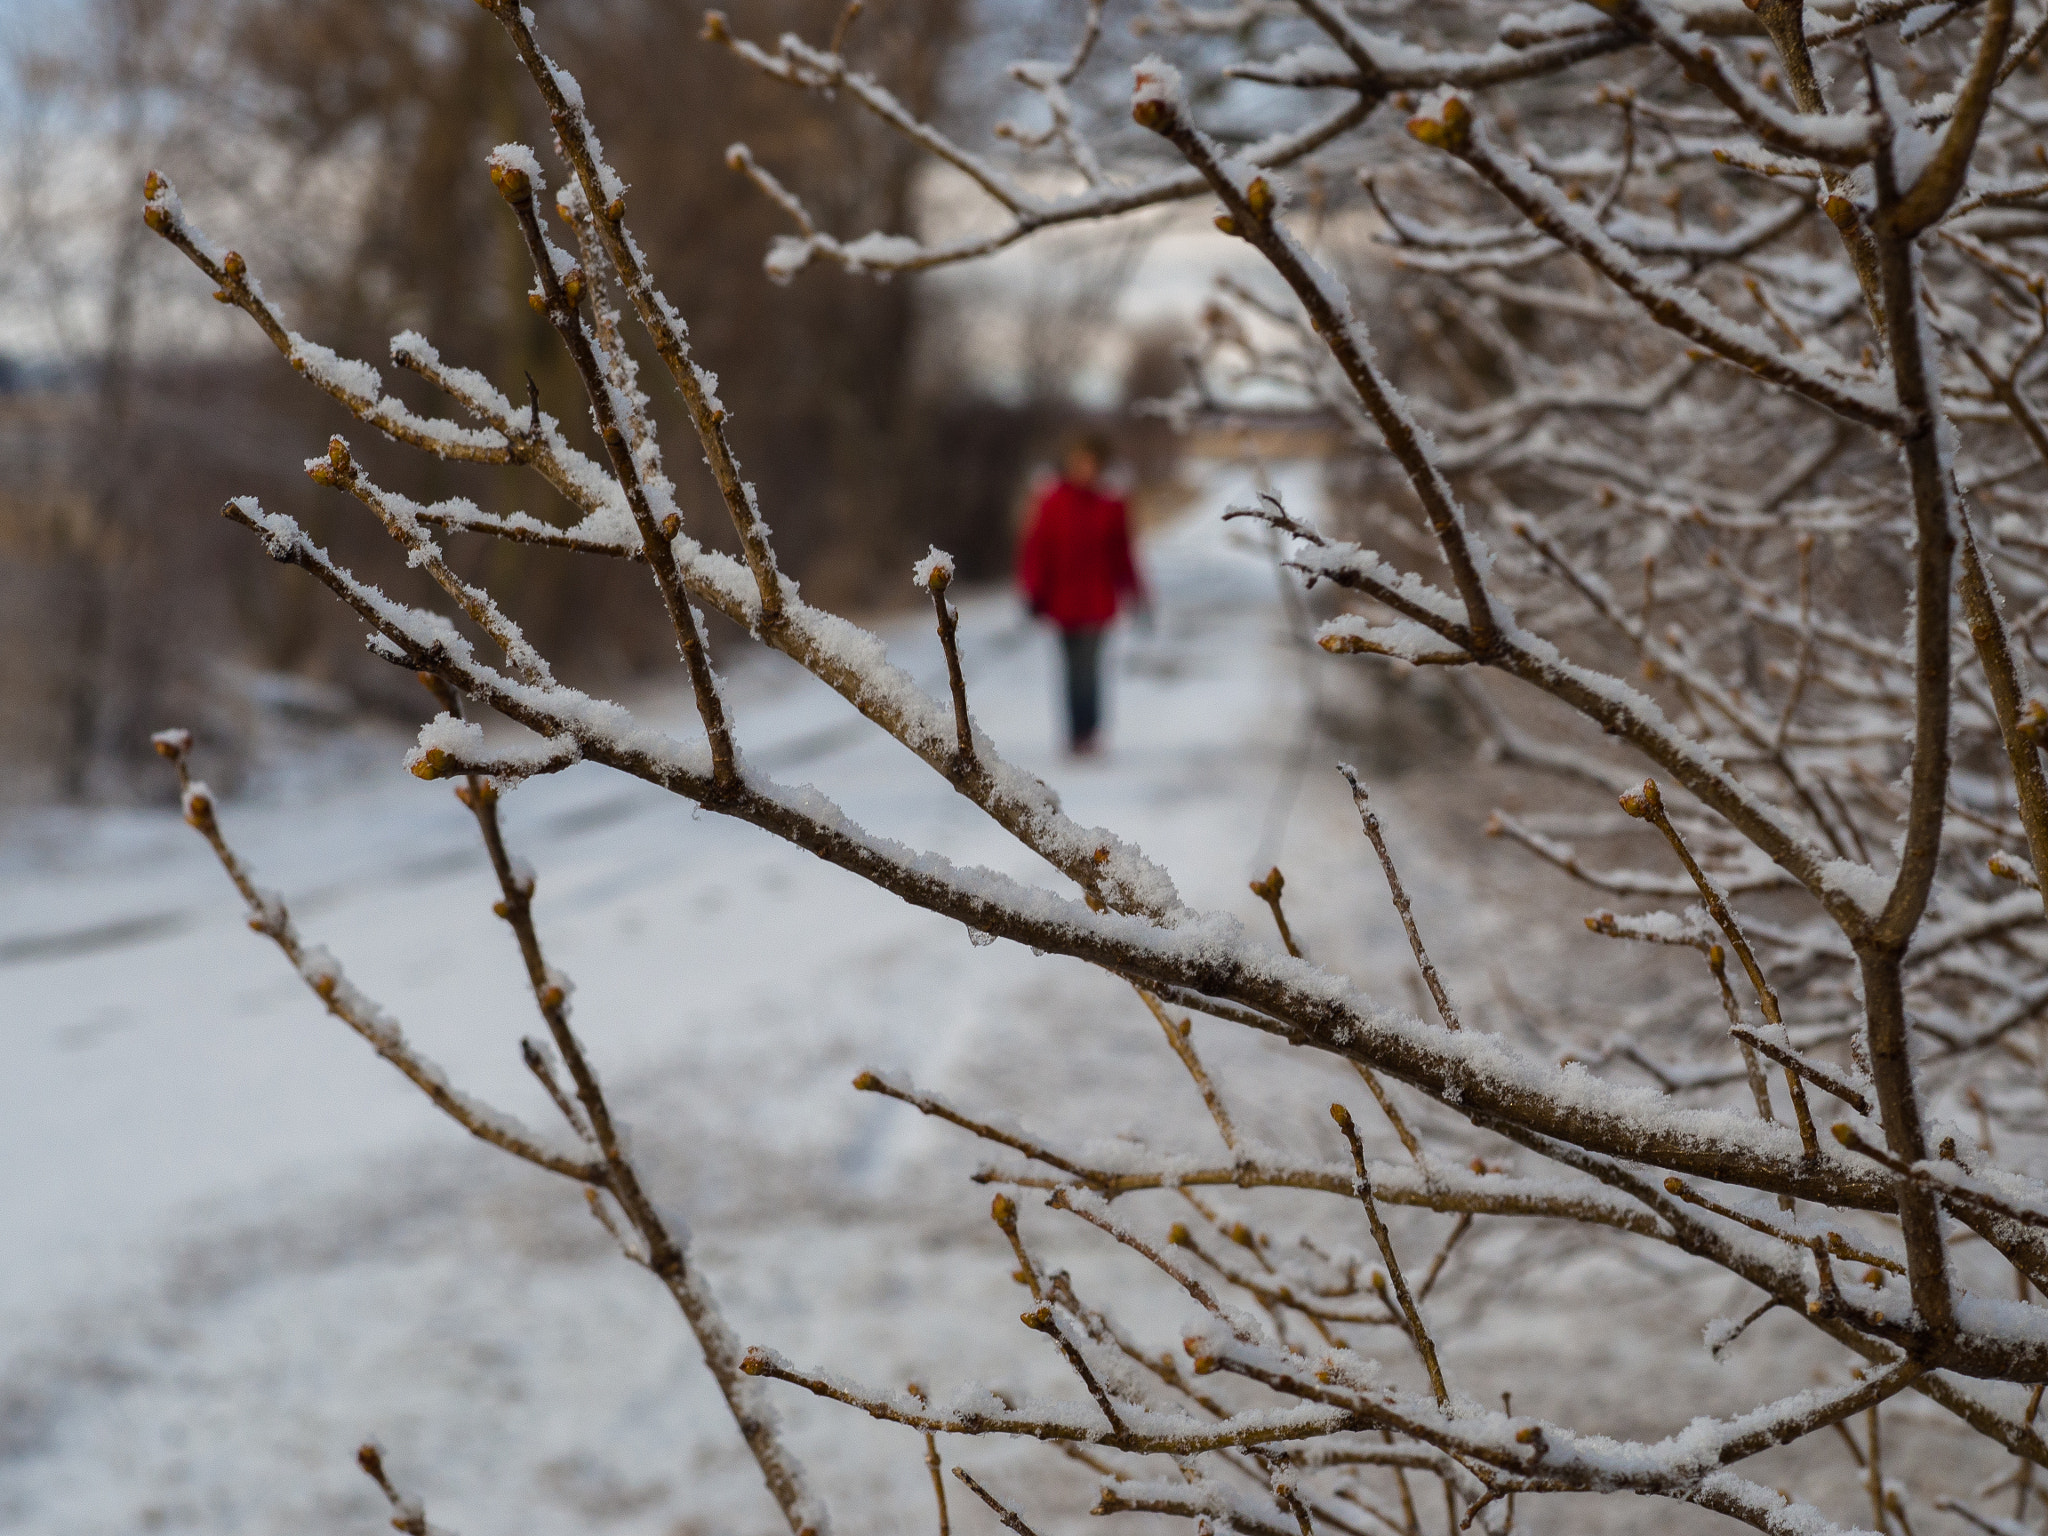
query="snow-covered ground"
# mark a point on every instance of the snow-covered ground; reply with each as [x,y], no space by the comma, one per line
[233,1243]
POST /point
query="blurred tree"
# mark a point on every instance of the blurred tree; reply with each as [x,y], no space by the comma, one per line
[414,94]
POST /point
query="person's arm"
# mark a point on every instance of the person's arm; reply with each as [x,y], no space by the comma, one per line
[1128,582]
[1031,559]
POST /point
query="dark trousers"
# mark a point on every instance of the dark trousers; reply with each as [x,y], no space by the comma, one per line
[1083,649]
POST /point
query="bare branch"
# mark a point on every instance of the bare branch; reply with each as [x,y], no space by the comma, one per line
[1445,1010]
[1424,1346]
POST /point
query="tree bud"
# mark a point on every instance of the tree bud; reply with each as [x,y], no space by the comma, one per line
[154,214]
[512,183]
[1451,130]
[2033,721]
[1644,804]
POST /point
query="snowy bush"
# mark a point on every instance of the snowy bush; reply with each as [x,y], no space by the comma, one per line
[1719,462]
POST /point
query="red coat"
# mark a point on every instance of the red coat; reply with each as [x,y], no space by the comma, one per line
[1075,562]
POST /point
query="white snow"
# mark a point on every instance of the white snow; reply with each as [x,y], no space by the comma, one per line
[1153,79]
[936,568]
[517,157]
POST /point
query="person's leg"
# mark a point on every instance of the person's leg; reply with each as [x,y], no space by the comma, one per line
[1084,684]
[1091,698]
[1070,677]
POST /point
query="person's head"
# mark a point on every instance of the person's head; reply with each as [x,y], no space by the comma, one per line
[1085,456]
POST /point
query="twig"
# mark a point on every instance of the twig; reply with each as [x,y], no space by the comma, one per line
[665,1253]
[1252,211]
[1424,1346]
[1003,1210]
[1443,1254]
[536,1058]
[1759,1084]
[1445,1010]
[1289,1500]
[1742,1327]
[1268,890]
[603,194]
[933,1465]
[1960,1194]
[1874,1471]
[935,574]
[2025,1478]
[269,916]
[1003,1512]
[408,1514]
[1792,1061]
[847,17]
[881,693]
[1042,1319]
[874,1082]
[559,302]
[1647,804]
[1181,1037]
[1833,1242]
[1064,1200]
[1392,1111]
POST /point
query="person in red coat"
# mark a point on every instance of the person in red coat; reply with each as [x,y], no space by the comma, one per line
[1076,569]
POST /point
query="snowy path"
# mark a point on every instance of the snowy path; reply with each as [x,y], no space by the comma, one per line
[233,1243]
